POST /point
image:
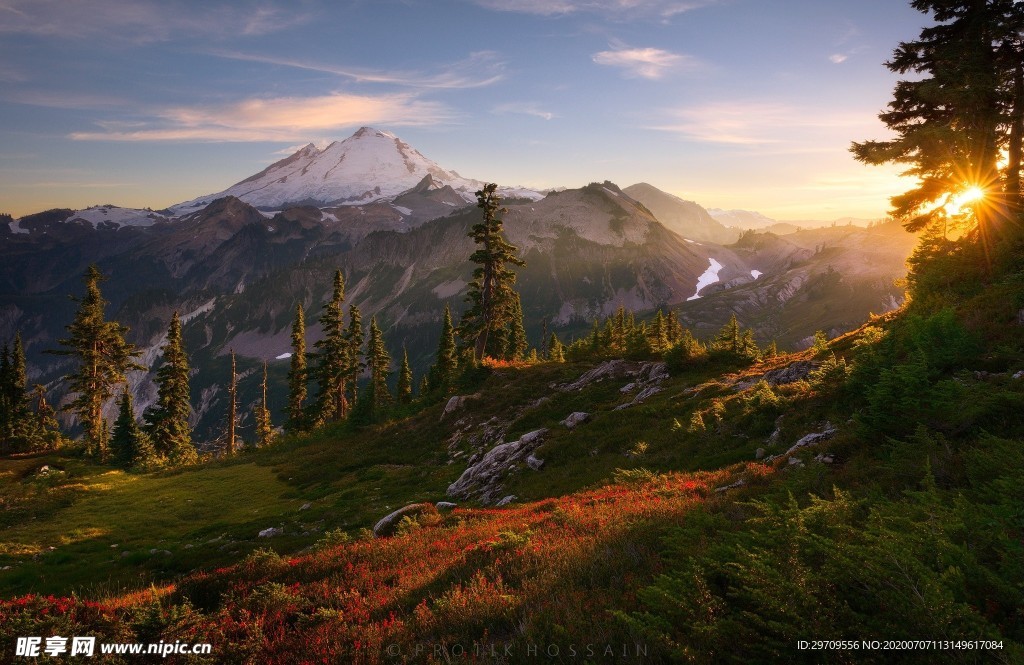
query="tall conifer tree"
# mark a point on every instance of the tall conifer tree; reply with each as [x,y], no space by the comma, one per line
[490,293]
[104,357]
[379,361]
[446,365]
[167,422]
[404,388]
[264,426]
[298,375]
[333,357]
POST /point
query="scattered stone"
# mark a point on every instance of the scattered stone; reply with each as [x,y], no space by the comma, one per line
[629,387]
[445,505]
[534,463]
[189,546]
[593,453]
[456,403]
[387,525]
[113,546]
[791,373]
[5,568]
[305,506]
[759,453]
[271,532]
[506,500]
[1020,317]
[814,437]
[483,478]
[824,458]
[739,483]
[43,470]
[575,418]
[606,370]
[1019,375]
[649,376]
[125,554]
[793,461]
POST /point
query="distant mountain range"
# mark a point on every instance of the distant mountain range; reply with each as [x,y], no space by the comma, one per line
[236,263]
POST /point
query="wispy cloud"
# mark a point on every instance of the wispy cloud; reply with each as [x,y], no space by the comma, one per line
[478,70]
[616,8]
[144,21]
[648,63]
[275,119]
[524,108]
[838,58]
[744,123]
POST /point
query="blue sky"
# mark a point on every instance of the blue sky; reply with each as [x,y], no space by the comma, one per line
[732,103]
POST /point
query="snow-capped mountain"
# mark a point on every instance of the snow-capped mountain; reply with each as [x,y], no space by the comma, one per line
[741,219]
[368,166]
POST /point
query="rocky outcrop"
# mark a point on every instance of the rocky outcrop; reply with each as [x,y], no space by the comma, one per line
[791,373]
[609,369]
[648,383]
[575,419]
[389,523]
[827,432]
[483,477]
[456,403]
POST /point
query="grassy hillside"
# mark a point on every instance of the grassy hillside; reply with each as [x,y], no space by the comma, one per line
[656,533]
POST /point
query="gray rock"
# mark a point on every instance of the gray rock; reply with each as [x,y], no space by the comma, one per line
[759,453]
[387,524]
[457,402]
[534,463]
[484,477]
[606,370]
[271,532]
[814,437]
[793,461]
[628,388]
[791,373]
[445,505]
[1019,375]
[824,458]
[506,500]
[725,488]
[1020,317]
[575,418]
[305,506]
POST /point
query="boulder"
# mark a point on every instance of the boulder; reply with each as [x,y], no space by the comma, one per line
[506,500]
[483,478]
[271,532]
[386,525]
[606,370]
[1019,375]
[457,402]
[575,418]
[534,463]
[445,505]
[759,453]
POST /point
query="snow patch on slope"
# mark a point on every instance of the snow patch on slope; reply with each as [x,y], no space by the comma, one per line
[709,277]
[119,217]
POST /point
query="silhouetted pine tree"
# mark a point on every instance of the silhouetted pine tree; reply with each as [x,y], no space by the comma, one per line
[264,427]
[354,338]
[443,372]
[404,388]
[103,359]
[491,291]
[515,348]
[556,350]
[298,375]
[130,446]
[231,443]
[657,334]
[333,358]
[167,421]
[379,361]
[16,423]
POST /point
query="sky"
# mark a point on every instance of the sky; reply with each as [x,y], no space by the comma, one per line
[748,104]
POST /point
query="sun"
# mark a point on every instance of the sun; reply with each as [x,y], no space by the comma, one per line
[965,199]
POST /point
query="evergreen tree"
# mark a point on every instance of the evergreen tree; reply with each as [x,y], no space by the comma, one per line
[16,423]
[491,291]
[516,345]
[232,444]
[104,357]
[124,442]
[657,335]
[445,368]
[167,422]
[772,350]
[961,107]
[556,350]
[46,432]
[729,338]
[379,361]
[595,338]
[264,427]
[404,387]
[333,358]
[354,338]
[673,329]
[297,374]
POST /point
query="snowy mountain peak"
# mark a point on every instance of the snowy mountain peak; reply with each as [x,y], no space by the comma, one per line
[369,165]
